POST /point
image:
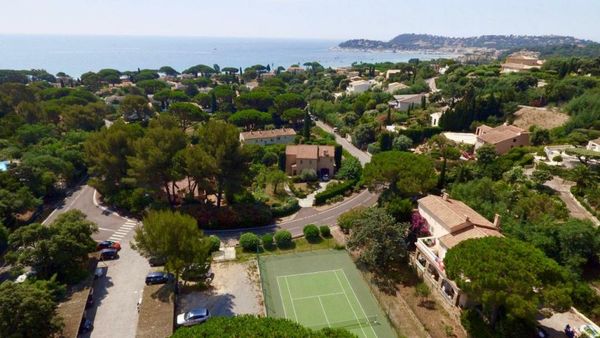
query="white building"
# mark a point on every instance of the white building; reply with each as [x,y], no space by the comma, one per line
[449,222]
[266,137]
[358,86]
[391,72]
[559,151]
[594,145]
[464,138]
[403,102]
[435,119]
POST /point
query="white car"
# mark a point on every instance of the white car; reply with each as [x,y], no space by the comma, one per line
[193,317]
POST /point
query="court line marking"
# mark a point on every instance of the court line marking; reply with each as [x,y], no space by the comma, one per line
[281,296]
[358,301]
[323,295]
[290,293]
[307,273]
[324,312]
[350,304]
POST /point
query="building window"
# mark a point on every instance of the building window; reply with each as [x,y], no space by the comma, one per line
[514,140]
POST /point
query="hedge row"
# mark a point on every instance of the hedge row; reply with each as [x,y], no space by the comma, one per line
[288,208]
[338,189]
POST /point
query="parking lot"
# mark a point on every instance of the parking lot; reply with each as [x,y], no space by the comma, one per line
[235,290]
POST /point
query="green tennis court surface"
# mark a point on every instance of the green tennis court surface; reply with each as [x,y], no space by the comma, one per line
[322,289]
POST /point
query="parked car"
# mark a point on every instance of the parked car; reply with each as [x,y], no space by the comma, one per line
[325,177]
[100,272]
[108,245]
[90,299]
[158,277]
[193,317]
[109,254]
[157,261]
[85,326]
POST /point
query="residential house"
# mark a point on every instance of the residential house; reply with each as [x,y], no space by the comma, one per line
[358,86]
[521,61]
[266,137]
[594,145]
[316,157]
[464,138]
[391,72]
[448,222]
[403,102]
[503,137]
[435,118]
[295,70]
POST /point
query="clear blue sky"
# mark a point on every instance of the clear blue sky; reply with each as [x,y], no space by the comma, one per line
[323,19]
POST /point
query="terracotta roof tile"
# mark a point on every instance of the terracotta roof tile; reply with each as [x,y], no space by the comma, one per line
[249,135]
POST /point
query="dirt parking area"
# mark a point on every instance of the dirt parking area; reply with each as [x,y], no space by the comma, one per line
[235,290]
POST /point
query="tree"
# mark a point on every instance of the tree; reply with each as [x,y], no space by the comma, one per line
[311,232]
[151,86]
[293,115]
[307,126]
[402,143]
[220,142]
[61,248]
[153,165]
[539,136]
[385,141]
[250,119]
[405,173]
[509,278]
[351,169]
[286,101]
[106,155]
[174,236]
[276,178]
[486,155]
[168,70]
[258,99]
[583,177]
[242,326]
[187,113]
[135,108]
[379,240]
[88,118]
[27,310]
[363,135]
[349,219]
[444,147]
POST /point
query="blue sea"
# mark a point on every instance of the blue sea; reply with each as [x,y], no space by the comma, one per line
[76,55]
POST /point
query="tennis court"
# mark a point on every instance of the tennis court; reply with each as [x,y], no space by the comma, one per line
[322,289]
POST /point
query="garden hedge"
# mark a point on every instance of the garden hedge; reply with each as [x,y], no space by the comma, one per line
[335,190]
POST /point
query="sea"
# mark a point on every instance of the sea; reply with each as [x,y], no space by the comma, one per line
[76,55]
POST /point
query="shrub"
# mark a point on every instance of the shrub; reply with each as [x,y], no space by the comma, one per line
[325,231]
[333,190]
[308,175]
[283,238]
[249,241]
[289,207]
[215,243]
[557,158]
[311,232]
[267,240]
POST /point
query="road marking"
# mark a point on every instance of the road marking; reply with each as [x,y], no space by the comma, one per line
[119,232]
[281,296]
[324,312]
[350,304]
[290,293]
[117,236]
[128,226]
[357,300]
[105,229]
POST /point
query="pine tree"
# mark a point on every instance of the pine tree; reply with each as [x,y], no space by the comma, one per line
[306,129]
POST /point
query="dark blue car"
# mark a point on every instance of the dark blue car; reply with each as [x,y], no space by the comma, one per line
[159,278]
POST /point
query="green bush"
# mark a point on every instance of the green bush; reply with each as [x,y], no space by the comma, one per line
[249,241]
[283,238]
[557,158]
[311,232]
[325,231]
[267,240]
[308,175]
[215,243]
[289,207]
[334,190]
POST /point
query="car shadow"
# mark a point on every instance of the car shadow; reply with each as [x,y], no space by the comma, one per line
[218,304]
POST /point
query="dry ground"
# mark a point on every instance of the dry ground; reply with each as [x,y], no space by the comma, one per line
[542,117]
[235,290]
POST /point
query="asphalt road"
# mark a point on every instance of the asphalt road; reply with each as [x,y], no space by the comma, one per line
[114,312]
[362,156]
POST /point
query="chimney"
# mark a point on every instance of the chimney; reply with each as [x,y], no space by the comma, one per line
[497,221]
[445,196]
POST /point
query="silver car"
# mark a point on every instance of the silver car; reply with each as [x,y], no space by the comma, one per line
[193,317]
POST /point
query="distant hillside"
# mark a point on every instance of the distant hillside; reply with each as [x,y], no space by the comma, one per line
[432,42]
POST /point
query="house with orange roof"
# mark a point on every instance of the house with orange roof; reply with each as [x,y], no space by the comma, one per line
[503,137]
[319,158]
[448,222]
[266,137]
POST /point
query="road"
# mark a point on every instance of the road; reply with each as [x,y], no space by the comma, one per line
[116,295]
[432,85]
[362,156]
[576,210]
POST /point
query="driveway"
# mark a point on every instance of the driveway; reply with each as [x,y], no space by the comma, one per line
[576,210]
[116,295]
[362,156]
[235,290]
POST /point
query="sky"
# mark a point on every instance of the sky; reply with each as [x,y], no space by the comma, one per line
[318,19]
